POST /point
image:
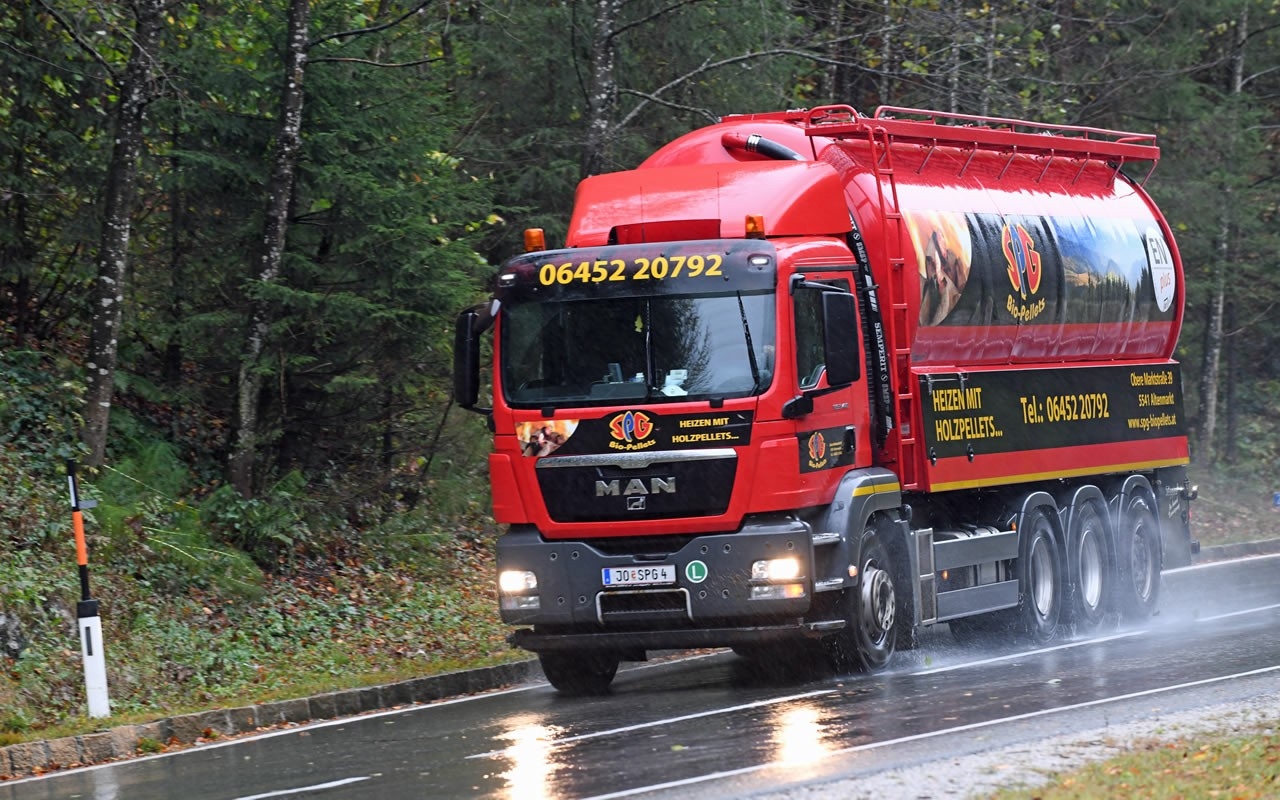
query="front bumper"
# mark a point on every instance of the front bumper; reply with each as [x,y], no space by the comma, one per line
[710,604]
[540,641]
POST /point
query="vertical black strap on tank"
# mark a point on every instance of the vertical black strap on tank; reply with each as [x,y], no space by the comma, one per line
[876,346]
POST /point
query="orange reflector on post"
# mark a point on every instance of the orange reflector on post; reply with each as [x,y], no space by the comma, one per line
[534,239]
[755,226]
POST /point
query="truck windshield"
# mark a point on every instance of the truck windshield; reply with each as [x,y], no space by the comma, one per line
[659,348]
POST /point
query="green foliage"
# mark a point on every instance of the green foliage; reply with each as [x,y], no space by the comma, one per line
[270,529]
[39,414]
[14,722]
[39,404]
[147,745]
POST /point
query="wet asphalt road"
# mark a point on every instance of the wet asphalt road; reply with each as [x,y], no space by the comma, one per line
[712,726]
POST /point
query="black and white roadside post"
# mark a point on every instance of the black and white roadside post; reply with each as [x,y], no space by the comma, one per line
[91,647]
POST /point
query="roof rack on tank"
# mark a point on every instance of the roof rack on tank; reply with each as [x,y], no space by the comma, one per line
[1014,137]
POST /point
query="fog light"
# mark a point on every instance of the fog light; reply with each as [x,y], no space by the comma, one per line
[517,581]
[776,569]
[778,591]
[521,603]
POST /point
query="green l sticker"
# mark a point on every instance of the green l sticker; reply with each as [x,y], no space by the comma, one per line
[696,572]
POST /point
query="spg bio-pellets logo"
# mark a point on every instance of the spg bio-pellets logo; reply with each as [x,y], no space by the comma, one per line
[1025,272]
[631,430]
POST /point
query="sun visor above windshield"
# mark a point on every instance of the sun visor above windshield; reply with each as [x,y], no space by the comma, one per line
[794,198]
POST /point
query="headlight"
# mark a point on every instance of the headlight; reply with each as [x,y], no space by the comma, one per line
[517,581]
[776,570]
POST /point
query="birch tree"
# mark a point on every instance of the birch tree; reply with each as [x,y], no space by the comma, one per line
[275,227]
[1211,359]
[254,366]
[135,91]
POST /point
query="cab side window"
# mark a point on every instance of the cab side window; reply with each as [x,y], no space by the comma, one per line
[809,352]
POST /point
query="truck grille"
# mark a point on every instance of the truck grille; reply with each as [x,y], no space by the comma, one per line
[643,605]
[613,488]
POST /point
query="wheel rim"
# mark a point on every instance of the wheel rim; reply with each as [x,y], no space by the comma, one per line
[1042,577]
[1143,566]
[879,604]
[1090,579]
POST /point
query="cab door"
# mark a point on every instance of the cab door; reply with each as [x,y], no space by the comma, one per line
[830,408]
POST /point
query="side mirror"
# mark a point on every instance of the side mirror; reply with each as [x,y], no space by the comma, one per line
[798,406]
[840,335]
[466,359]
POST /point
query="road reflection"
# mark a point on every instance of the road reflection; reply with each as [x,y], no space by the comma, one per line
[800,735]
[531,756]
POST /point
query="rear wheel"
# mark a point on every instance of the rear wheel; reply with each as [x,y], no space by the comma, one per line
[1091,568]
[583,673]
[1138,560]
[1040,578]
[871,611]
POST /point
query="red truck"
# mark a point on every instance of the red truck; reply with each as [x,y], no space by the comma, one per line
[811,381]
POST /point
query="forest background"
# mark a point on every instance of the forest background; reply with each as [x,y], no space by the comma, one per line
[234,233]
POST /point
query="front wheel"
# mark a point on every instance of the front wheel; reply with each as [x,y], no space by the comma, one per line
[871,612]
[585,673]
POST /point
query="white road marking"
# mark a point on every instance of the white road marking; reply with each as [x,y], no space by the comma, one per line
[332,723]
[299,790]
[1212,564]
[1026,653]
[1239,613]
[921,736]
[668,721]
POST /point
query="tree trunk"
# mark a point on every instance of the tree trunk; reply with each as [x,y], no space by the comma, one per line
[955,25]
[886,53]
[1230,450]
[275,228]
[113,251]
[988,86]
[1210,378]
[603,92]
[1212,358]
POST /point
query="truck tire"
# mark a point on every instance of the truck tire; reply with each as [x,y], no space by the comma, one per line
[585,673]
[1138,560]
[1092,570]
[1041,579]
[866,643]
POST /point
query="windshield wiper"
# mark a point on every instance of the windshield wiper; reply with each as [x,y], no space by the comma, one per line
[751,351]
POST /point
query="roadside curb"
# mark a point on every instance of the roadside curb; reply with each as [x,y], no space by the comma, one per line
[127,741]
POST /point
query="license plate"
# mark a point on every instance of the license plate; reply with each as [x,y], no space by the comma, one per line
[649,575]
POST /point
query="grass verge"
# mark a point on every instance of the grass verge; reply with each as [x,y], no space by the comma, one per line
[1237,767]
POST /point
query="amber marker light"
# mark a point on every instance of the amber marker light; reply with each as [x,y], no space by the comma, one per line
[755,226]
[534,239]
